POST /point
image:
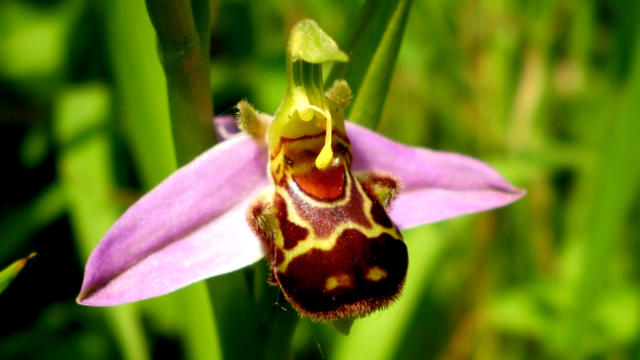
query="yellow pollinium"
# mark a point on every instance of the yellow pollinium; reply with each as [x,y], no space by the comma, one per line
[324,158]
[326,155]
[308,112]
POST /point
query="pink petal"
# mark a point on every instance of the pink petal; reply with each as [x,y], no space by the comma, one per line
[436,185]
[190,227]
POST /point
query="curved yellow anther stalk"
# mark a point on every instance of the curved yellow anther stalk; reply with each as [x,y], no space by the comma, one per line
[306,113]
[323,160]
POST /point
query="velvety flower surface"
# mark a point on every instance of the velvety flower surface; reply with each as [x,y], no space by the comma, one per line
[333,244]
[193,225]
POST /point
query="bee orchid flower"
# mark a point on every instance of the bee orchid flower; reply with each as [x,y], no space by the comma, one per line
[324,199]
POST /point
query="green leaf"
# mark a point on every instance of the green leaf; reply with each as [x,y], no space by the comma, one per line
[34,40]
[10,272]
[525,311]
[613,329]
[614,187]
[373,49]
[140,89]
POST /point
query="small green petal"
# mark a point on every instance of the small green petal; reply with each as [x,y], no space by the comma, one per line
[309,43]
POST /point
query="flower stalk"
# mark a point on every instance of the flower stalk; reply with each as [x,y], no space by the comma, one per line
[183,34]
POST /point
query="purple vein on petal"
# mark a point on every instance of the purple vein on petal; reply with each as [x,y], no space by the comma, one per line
[190,227]
[436,185]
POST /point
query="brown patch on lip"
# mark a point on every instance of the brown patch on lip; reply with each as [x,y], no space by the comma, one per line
[322,185]
[291,233]
[304,283]
[379,215]
[324,219]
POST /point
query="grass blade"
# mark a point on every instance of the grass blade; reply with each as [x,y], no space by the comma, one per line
[10,272]
[373,50]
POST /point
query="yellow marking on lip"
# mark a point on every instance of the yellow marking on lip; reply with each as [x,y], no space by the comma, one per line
[313,242]
[376,273]
[341,280]
[273,164]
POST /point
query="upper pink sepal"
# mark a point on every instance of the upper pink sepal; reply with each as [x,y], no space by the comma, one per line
[435,185]
[190,227]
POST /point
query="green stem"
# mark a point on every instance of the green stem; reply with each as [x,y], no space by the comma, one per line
[280,333]
[201,10]
[235,315]
[183,31]
[258,322]
[183,46]
[277,319]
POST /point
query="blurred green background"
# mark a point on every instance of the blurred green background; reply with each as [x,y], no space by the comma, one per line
[548,92]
